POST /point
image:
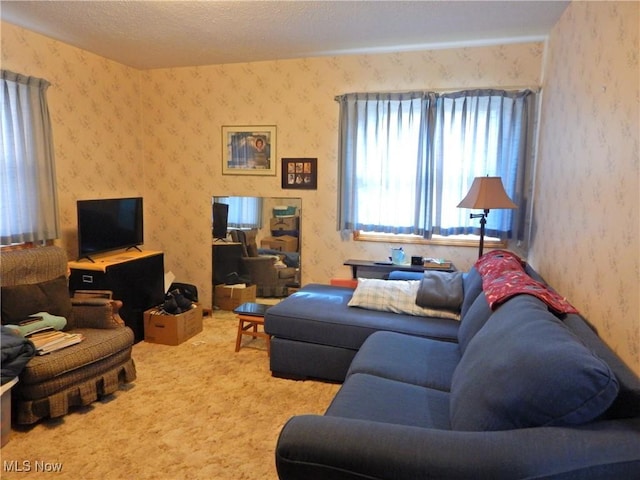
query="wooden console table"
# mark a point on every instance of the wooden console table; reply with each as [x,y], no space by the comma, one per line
[386,267]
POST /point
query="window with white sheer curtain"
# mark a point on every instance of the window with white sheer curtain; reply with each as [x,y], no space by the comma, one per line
[407,159]
[244,212]
[28,197]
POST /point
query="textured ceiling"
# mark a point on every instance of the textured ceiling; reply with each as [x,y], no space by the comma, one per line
[160,34]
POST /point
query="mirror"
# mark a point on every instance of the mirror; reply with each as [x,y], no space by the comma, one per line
[272,224]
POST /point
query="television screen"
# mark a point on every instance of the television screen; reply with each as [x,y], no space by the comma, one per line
[109,224]
[220,218]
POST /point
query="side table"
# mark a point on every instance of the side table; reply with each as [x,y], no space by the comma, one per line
[386,267]
[250,316]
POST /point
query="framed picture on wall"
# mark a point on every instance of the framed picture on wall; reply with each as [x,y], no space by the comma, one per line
[301,173]
[249,150]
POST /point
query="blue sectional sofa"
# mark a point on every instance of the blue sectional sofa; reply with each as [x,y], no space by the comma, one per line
[315,334]
[509,392]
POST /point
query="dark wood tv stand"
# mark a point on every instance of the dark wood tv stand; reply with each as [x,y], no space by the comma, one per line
[135,277]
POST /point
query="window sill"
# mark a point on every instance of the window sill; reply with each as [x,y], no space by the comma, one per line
[452,241]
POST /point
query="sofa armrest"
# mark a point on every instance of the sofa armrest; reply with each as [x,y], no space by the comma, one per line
[96,312]
[318,447]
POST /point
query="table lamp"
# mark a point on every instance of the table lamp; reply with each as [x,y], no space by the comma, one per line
[485,193]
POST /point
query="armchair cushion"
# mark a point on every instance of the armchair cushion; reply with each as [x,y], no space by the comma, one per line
[96,313]
[43,374]
[78,375]
[52,296]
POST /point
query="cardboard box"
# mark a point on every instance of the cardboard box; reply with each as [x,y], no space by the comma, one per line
[172,329]
[284,243]
[284,223]
[229,297]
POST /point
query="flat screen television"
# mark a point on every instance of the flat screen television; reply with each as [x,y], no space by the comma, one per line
[109,224]
[220,219]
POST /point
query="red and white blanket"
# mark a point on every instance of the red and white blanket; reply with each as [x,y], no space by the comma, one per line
[504,276]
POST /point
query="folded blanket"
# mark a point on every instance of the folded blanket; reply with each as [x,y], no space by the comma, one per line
[441,290]
[16,352]
[503,276]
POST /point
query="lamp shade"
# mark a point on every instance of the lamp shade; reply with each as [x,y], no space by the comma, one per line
[487,193]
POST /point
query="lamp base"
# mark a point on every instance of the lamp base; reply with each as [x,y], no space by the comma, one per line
[483,222]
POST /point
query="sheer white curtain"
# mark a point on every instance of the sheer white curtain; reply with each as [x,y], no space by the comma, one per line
[244,212]
[407,159]
[28,197]
[382,162]
[479,133]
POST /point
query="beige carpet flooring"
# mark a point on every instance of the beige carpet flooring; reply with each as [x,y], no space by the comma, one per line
[197,411]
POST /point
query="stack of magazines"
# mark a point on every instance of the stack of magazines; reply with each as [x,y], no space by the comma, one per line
[49,340]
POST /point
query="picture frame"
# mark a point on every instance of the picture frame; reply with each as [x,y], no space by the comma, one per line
[249,150]
[300,173]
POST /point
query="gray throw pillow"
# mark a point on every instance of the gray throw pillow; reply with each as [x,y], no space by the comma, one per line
[441,290]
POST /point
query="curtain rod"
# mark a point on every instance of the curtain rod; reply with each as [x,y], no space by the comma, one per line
[535,89]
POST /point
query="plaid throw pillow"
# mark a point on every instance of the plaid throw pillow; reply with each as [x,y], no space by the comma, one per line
[397,296]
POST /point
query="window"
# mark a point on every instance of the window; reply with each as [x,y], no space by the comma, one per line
[28,198]
[244,212]
[407,159]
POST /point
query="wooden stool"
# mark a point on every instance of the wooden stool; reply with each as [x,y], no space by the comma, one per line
[250,316]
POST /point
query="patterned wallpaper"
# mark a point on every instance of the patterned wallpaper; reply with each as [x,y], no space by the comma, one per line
[119,131]
[157,133]
[95,114]
[586,206]
[185,108]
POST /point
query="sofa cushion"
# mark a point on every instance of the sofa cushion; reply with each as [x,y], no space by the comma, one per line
[472,286]
[52,296]
[396,296]
[442,290]
[419,361]
[541,375]
[627,403]
[473,321]
[318,314]
[367,397]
